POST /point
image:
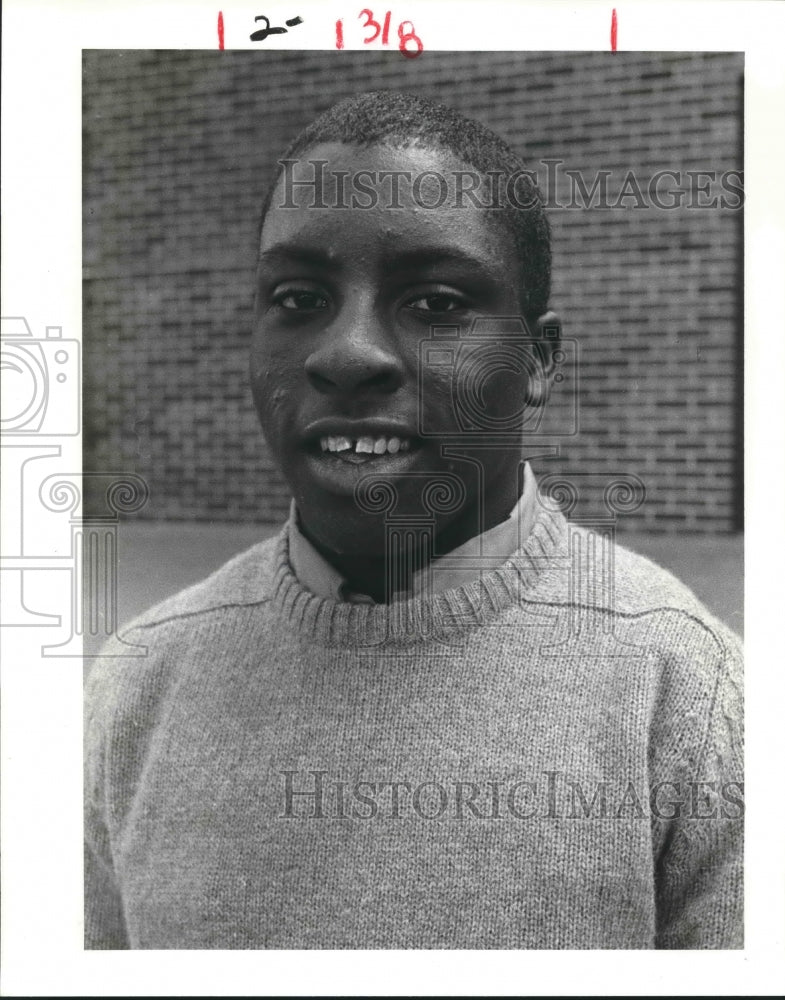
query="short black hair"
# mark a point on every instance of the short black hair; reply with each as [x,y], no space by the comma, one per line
[403,121]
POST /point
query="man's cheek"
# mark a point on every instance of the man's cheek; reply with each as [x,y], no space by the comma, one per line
[507,390]
[437,404]
[498,398]
[275,393]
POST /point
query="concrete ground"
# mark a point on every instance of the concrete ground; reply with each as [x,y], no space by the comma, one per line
[158,559]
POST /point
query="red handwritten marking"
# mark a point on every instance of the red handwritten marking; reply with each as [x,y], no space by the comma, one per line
[404,36]
[614,28]
[220,29]
[408,36]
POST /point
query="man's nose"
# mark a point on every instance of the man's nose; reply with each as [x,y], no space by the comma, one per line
[355,354]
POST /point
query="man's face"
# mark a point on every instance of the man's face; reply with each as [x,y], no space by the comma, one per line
[344,299]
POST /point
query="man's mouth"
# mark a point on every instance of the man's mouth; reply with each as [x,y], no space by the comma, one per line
[341,452]
[364,448]
[375,439]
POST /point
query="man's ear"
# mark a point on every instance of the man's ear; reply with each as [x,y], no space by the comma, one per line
[546,332]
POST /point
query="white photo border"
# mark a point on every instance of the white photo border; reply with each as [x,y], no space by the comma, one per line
[42,716]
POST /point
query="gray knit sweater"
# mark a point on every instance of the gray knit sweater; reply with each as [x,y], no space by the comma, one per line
[547,758]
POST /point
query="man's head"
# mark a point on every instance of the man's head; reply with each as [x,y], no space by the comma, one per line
[353,279]
[403,121]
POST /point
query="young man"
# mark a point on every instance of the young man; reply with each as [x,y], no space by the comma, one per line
[422,716]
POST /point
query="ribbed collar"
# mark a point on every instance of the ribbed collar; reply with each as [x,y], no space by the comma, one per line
[444,615]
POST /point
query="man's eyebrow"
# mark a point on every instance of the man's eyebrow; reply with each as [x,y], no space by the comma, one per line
[287,253]
[412,260]
[407,261]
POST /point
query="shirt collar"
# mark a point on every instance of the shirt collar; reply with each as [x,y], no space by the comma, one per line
[467,562]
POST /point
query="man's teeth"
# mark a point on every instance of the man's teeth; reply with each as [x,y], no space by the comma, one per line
[365,445]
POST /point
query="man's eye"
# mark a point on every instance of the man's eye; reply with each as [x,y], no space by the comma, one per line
[440,302]
[300,299]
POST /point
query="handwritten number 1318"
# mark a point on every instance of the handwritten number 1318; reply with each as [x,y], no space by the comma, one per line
[406,33]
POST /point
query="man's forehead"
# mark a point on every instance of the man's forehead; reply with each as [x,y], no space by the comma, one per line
[379,175]
[384,195]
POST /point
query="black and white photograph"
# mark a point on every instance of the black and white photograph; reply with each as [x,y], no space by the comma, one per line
[457,341]
[384,511]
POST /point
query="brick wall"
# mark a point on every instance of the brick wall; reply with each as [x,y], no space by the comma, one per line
[179,146]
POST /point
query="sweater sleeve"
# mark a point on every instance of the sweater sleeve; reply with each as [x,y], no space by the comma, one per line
[697,797]
[103,905]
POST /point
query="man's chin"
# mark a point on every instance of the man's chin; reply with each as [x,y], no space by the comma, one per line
[368,477]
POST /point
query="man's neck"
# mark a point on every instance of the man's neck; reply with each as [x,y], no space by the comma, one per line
[457,555]
[373,574]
